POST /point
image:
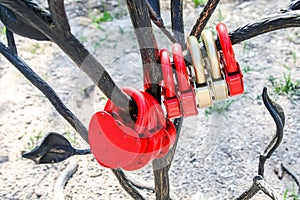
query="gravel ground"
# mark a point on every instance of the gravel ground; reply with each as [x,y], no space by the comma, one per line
[217,155]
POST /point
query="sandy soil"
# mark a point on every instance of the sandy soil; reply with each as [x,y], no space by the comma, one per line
[217,155]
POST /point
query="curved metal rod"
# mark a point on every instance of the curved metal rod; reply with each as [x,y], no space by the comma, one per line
[11,42]
[265,25]
[259,183]
[39,83]
[71,46]
[177,21]
[204,17]
[50,94]
[277,114]
[160,23]
[128,187]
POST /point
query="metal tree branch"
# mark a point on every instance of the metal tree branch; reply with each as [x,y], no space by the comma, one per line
[259,183]
[11,42]
[204,17]
[152,76]
[39,83]
[128,187]
[177,21]
[161,166]
[159,23]
[292,173]
[73,48]
[58,14]
[265,25]
[277,114]
[140,19]
[50,94]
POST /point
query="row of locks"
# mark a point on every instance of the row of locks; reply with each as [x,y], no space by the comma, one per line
[119,139]
[214,75]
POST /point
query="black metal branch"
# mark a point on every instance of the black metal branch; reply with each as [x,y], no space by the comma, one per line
[293,175]
[161,166]
[294,5]
[177,21]
[11,42]
[38,82]
[141,22]
[74,49]
[265,25]
[277,114]
[128,187]
[205,15]
[61,108]
[58,14]
[20,26]
[82,151]
[259,184]
[160,23]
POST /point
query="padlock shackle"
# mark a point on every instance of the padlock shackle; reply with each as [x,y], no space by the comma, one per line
[167,71]
[226,45]
[180,67]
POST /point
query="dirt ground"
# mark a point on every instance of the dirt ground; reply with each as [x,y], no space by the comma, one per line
[218,151]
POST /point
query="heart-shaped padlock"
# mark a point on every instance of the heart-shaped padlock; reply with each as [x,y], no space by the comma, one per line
[119,140]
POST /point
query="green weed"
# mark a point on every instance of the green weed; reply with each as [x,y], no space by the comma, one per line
[221,17]
[218,107]
[105,17]
[246,47]
[286,85]
[35,48]
[199,2]
[247,69]
[292,196]
[34,140]
[293,55]
[70,137]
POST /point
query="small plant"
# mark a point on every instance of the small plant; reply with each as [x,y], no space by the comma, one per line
[247,69]
[292,196]
[34,140]
[105,17]
[199,2]
[218,107]
[294,56]
[35,47]
[246,47]
[221,17]
[286,86]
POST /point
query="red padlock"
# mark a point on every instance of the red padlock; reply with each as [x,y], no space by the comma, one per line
[118,141]
[187,94]
[112,146]
[233,73]
[168,139]
[171,101]
[227,49]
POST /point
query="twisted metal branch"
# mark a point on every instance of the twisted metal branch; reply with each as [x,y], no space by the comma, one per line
[265,25]
[71,46]
[39,83]
[204,17]
[259,183]
[160,23]
[177,21]
[11,42]
[277,114]
[59,16]
[50,94]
